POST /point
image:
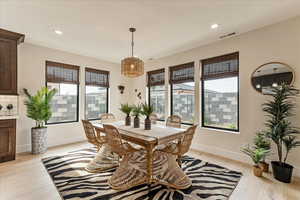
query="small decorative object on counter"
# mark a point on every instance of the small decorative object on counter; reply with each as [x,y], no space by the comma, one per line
[136,112]
[126,108]
[9,107]
[147,110]
[39,109]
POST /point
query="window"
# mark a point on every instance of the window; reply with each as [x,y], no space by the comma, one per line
[220,93]
[96,93]
[65,78]
[156,91]
[183,92]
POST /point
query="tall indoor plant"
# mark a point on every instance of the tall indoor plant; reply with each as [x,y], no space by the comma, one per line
[39,109]
[126,108]
[147,110]
[280,130]
[136,112]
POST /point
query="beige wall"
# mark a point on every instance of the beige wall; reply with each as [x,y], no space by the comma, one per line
[279,42]
[31,75]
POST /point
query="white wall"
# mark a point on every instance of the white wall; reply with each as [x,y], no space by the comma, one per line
[279,42]
[31,75]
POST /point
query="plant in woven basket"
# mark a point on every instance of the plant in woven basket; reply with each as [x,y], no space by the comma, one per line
[257,155]
[38,106]
[280,130]
[262,142]
[147,110]
[126,108]
[136,112]
[39,109]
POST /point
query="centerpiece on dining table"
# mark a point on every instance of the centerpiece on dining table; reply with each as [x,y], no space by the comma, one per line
[136,112]
[147,110]
[126,108]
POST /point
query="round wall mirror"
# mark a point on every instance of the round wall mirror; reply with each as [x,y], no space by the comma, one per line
[270,75]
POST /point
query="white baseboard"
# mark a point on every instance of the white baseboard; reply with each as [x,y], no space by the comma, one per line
[232,155]
[23,148]
[27,147]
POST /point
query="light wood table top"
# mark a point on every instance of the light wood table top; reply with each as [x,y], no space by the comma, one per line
[159,134]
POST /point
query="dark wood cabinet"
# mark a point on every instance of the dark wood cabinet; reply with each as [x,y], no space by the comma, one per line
[8,61]
[7,140]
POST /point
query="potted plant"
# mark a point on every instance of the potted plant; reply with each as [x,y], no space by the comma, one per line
[39,109]
[257,156]
[280,129]
[136,112]
[262,142]
[126,108]
[147,110]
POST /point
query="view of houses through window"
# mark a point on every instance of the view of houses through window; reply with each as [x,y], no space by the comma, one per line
[157,100]
[221,103]
[95,101]
[64,103]
[183,97]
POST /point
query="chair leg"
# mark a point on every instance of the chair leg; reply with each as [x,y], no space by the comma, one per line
[179,161]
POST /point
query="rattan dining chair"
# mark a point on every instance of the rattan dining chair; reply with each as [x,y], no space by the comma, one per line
[107,117]
[174,121]
[183,145]
[153,117]
[131,163]
[94,137]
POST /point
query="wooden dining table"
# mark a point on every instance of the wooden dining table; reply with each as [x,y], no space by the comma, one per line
[148,139]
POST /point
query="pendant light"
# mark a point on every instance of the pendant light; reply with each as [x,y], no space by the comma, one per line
[132,66]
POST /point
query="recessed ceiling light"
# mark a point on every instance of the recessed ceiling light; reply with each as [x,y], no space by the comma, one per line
[214,26]
[58,32]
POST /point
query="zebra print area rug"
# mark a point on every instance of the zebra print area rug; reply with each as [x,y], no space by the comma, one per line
[209,181]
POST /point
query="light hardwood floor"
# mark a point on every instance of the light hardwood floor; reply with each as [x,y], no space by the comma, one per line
[27,179]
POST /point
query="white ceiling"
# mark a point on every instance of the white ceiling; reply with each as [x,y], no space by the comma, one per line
[99,28]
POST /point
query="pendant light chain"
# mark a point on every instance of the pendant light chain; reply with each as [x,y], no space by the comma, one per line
[132,44]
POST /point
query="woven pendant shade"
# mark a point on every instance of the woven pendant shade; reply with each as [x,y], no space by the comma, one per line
[132,67]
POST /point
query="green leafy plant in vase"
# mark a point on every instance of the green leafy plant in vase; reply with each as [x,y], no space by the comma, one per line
[280,130]
[136,112]
[257,155]
[126,108]
[147,110]
[39,109]
[262,142]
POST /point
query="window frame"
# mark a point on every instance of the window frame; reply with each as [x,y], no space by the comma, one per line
[171,88]
[238,94]
[77,84]
[149,86]
[107,92]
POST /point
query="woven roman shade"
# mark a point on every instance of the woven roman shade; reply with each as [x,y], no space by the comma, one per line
[96,77]
[61,73]
[156,77]
[221,66]
[182,73]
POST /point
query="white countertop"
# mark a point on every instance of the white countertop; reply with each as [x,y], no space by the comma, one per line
[8,117]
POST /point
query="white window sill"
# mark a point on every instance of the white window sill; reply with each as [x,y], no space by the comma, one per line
[219,130]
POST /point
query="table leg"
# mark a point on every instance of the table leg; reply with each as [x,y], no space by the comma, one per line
[150,163]
[103,160]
